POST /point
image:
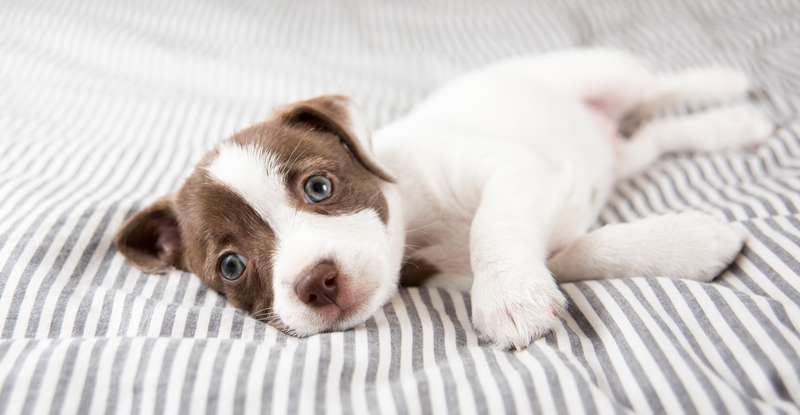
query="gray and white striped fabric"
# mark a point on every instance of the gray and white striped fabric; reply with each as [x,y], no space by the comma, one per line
[104,106]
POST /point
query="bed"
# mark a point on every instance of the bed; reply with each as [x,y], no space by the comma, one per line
[105,105]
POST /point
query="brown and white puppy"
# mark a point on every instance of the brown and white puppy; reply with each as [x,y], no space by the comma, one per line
[495,181]
[289,219]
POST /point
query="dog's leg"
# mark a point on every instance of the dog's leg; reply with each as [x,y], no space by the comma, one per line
[514,297]
[697,87]
[711,130]
[714,129]
[687,245]
[625,88]
[610,80]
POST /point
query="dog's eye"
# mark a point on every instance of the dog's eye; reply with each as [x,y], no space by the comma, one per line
[232,266]
[318,188]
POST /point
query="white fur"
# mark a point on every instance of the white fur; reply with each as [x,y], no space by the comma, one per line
[507,165]
[700,86]
[687,245]
[368,264]
[254,175]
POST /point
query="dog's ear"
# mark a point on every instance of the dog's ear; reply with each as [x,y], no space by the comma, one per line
[336,114]
[151,239]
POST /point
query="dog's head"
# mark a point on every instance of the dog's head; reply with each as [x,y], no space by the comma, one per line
[292,220]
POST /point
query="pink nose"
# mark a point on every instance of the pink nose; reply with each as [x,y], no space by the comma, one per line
[318,287]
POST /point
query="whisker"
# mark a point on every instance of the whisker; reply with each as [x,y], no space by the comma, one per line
[296,146]
[412,247]
[434,222]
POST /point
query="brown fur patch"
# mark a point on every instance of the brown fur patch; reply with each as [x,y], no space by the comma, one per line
[330,113]
[215,221]
[305,147]
[416,271]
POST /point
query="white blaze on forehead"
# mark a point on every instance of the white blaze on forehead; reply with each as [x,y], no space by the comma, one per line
[255,175]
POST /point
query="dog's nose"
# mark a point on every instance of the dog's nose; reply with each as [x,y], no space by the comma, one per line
[319,286]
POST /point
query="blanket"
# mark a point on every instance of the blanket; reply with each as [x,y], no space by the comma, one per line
[106,105]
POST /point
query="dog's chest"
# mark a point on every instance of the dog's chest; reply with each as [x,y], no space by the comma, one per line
[437,249]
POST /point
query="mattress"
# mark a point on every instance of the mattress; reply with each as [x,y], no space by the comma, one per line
[105,106]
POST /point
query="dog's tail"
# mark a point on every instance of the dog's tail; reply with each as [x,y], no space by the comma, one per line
[687,245]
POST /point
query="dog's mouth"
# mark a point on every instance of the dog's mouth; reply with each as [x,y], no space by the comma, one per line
[340,315]
[337,323]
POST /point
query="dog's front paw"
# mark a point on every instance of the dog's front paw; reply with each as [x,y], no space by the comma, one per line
[511,311]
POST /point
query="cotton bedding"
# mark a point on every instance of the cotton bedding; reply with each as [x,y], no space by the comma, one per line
[106,105]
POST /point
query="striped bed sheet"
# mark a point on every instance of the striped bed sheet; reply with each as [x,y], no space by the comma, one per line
[105,105]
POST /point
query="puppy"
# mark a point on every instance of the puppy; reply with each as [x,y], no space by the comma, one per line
[492,184]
